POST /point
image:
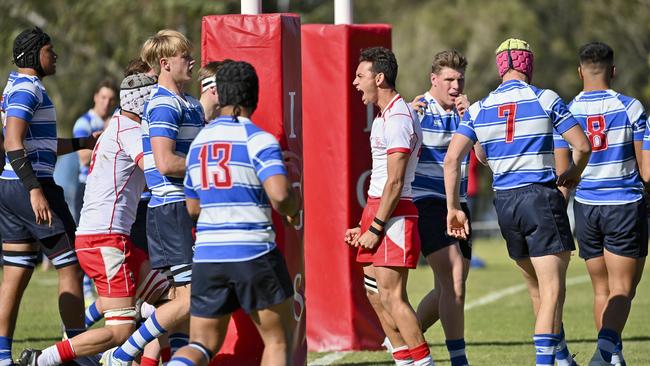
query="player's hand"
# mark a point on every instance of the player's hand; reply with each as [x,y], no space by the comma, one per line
[292,163]
[368,240]
[40,207]
[457,224]
[352,235]
[462,104]
[570,178]
[417,104]
[294,220]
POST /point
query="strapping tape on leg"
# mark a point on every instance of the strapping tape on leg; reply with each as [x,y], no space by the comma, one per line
[20,259]
[370,284]
[120,316]
[206,353]
[182,274]
[64,259]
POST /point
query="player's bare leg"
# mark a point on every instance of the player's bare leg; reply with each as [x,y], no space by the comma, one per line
[385,320]
[622,288]
[206,338]
[14,282]
[530,277]
[451,269]
[391,282]
[275,325]
[177,310]
[427,311]
[71,299]
[551,276]
[600,285]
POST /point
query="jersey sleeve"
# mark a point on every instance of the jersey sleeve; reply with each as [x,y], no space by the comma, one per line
[130,139]
[81,128]
[638,119]
[557,111]
[398,132]
[164,117]
[466,126]
[23,101]
[265,154]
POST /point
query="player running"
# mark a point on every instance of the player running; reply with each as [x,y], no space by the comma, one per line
[610,208]
[515,124]
[387,236]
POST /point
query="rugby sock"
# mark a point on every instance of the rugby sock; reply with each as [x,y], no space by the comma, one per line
[92,315]
[607,341]
[402,356]
[617,356]
[178,340]
[148,361]
[562,355]
[70,333]
[456,348]
[421,355]
[180,361]
[57,354]
[5,351]
[545,348]
[147,332]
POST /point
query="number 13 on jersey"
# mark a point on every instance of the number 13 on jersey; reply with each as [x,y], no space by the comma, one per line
[215,175]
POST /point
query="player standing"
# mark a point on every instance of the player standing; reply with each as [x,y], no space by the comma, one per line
[515,124]
[235,175]
[103,244]
[32,206]
[610,208]
[171,120]
[387,235]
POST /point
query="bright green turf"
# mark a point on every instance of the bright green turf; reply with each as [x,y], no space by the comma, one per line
[498,333]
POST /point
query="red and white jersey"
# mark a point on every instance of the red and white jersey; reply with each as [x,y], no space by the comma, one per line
[115,181]
[395,129]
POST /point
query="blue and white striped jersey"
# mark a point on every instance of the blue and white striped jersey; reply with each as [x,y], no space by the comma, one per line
[612,122]
[168,115]
[227,164]
[89,123]
[438,126]
[24,97]
[514,124]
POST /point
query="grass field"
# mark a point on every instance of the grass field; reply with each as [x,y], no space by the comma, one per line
[498,332]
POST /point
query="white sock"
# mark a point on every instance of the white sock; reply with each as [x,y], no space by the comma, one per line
[427,361]
[49,357]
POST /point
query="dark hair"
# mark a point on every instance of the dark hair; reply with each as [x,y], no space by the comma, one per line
[383,61]
[27,48]
[237,86]
[596,53]
[136,66]
[448,58]
[106,83]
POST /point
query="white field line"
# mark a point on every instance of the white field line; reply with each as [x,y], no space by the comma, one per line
[491,297]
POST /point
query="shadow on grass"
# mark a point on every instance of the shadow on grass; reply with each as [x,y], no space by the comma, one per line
[528,342]
[378,363]
[36,339]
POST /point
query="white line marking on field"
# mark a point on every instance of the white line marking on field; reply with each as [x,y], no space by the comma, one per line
[491,297]
[329,358]
[497,295]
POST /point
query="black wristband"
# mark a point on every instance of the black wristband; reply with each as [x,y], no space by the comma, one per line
[374,230]
[379,222]
[23,169]
[76,144]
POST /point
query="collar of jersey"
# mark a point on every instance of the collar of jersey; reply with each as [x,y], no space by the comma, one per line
[229,119]
[511,82]
[434,107]
[596,94]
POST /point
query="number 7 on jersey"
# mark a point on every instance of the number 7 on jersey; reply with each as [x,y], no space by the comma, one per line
[509,111]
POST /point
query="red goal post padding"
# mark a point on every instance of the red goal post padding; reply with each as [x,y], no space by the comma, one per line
[271,43]
[336,169]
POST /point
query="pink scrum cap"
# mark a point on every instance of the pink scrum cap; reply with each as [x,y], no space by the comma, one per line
[515,54]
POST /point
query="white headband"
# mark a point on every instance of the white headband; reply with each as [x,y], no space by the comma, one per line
[208,82]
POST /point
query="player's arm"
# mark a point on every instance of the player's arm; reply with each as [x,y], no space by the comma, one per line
[581,150]
[459,147]
[15,132]
[481,156]
[66,146]
[82,128]
[164,154]
[282,196]
[193,207]
[562,157]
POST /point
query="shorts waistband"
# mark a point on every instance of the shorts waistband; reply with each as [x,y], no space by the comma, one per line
[526,188]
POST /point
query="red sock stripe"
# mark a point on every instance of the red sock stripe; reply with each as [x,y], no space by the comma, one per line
[65,351]
[165,354]
[402,354]
[420,351]
[148,361]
